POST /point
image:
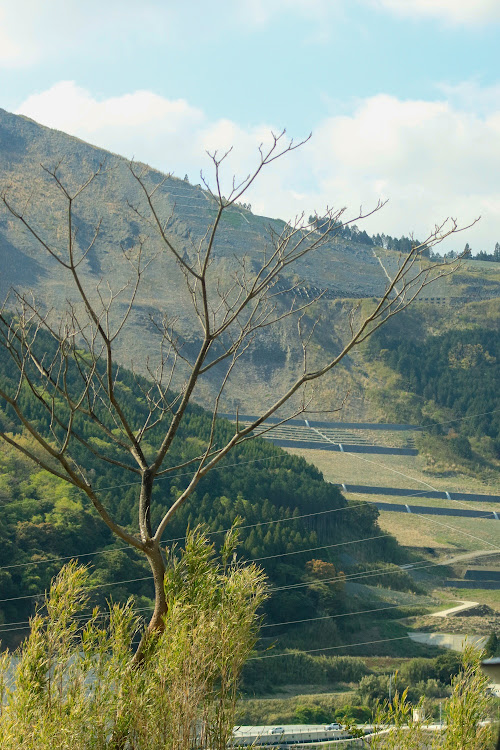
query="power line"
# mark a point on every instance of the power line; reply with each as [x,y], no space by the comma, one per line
[66,557]
[100,615]
[323,546]
[264,458]
[333,617]
[395,471]
[356,576]
[330,648]
[281,554]
[91,588]
[348,577]
[224,531]
[445,525]
[208,533]
[263,523]
[189,473]
[459,419]
[381,571]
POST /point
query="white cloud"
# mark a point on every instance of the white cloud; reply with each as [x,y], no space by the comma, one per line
[140,125]
[472,97]
[16,49]
[32,31]
[452,11]
[261,12]
[431,159]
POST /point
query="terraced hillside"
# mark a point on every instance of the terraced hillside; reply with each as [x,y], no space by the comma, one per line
[342,271]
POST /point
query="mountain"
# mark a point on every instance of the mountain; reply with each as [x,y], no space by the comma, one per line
[342,270]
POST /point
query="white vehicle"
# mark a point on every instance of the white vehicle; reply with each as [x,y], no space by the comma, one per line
[334,727]
[277,730]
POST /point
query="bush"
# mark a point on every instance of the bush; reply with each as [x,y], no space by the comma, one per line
[426,688]
[387,575]
[461,447]
[299,668]
[447,666]
[417,670]
[492,646]
[344,668]
[373,688]
[312,714]
[353,714]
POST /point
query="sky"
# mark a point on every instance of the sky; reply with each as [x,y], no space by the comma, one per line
[402,97]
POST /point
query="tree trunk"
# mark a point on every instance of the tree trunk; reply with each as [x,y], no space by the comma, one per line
[157,563]
[156,623]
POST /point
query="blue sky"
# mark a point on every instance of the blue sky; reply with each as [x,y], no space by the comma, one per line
[402,96]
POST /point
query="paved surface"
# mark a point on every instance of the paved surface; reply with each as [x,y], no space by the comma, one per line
[460,608]
[449,640]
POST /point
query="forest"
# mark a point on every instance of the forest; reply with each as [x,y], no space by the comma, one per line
[282,503]
[457,370]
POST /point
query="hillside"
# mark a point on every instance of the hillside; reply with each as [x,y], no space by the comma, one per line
[443,375]
[260,483]
[283,504]
[343,270]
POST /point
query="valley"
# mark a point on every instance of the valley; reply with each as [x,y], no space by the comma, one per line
[414,408]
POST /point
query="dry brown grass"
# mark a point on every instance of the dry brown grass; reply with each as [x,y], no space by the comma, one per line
[447,534]
[388,471]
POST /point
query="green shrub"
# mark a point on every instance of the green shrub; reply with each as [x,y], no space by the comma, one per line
[373,688]
[417,670]
[312,714]
[344,668]
[353,714]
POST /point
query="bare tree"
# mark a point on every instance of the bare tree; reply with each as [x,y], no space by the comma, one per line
[74,377]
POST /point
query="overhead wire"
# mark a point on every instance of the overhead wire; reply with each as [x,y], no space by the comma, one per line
[353,576]
[4,629]
[330,648]
[256,460]
[390,468]
[266,458]
[344,577]
[283,554]
[208,533]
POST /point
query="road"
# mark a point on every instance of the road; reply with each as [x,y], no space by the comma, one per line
[460,608]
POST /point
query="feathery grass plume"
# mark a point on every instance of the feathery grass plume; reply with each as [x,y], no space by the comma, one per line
[74,684]
[468,708]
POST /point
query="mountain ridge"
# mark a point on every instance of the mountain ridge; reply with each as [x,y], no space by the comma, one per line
[341,271]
